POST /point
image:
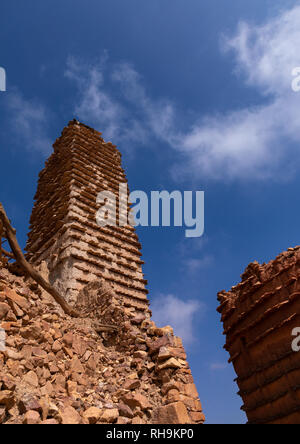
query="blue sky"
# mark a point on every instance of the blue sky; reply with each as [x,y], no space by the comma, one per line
[197,96]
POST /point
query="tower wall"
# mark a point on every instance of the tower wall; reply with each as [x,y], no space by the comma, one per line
[259,315]
[64,232]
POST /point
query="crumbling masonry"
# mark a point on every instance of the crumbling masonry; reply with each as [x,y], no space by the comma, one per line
[259,315]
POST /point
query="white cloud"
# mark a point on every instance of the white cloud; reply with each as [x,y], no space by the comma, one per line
[267,54]
[253,142]
[156,115]
[194,265]
[180,314]
[27,121]
[102,100]
[94,104]
[218,366]
[194,255]
[188,246]
[113,99]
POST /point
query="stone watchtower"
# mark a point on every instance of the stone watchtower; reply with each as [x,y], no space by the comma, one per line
[64,233]
[99,270]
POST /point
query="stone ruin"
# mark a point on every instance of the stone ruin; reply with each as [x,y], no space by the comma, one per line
[112,364]
[55,369]
[259,315]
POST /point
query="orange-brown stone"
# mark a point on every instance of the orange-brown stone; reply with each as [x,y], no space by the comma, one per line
[259,315]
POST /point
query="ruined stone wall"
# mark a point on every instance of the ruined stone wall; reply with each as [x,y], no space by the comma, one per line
[259,315]
[64,232]
[59,370]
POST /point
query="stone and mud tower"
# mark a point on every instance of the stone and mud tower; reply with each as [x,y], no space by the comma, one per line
[111,364]
[64,233]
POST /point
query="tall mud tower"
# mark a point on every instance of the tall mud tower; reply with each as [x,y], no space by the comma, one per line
[259,316]
[142,370]
[64,233]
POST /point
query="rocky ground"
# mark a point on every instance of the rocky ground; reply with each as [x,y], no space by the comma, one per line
[60,370]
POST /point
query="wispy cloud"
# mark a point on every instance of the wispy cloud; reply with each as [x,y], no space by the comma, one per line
[113,99]
[156,115]
[218,366]
[180,314]
[253,142]
[93,104]
[195,245]
[194,265]
[27,123]
[194,255]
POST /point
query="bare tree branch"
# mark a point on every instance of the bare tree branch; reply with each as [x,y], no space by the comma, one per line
[10,233]
[7,253]
[102,328]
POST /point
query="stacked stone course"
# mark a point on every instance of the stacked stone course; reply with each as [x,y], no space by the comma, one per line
[259,315]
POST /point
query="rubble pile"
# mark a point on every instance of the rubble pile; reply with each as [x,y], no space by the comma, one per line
[112,365]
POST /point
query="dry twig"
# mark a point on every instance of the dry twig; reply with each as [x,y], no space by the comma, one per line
[10,234]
